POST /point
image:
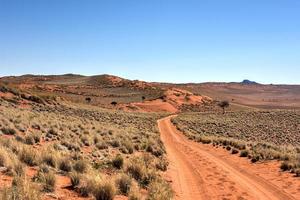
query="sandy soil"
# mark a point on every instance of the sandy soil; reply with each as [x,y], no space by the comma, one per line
[260,96]
[173,99]
[202,171]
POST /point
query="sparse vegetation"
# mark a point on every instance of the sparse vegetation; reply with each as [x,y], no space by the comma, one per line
[223,105]
[118,162]
[75,180]
[104,191]
[21,189]
[90,146]
[258,135]
[8,131]
[124,184]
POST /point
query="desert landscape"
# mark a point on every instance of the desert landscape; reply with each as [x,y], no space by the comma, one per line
[105,137]
[149,100]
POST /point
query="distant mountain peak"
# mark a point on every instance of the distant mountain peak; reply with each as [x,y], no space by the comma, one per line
[246,81]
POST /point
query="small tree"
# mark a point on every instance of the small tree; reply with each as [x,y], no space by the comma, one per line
[143,98]
[88,99]
[114,103]
[223,105]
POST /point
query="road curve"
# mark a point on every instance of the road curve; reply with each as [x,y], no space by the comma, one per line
[198,172]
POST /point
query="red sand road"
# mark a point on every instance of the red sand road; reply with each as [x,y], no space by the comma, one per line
[203,172]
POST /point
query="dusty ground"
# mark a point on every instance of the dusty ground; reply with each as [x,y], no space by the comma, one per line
[255,95]
[171,101]
[203,172]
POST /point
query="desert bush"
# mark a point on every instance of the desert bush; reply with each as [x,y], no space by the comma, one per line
[46,178]
[297,172]
[8,131]
[228,148]
[96,139]
[223,105]
[49,159]
[3,157]
[80,166]
[19,139]
[36,99]
[115,143]
[29,140]
[29,156]
[123,183]
[49,181]
[87,185]
[255,158]
[18,169]
[128,147]
[85,140]
[244,153]
[134,195]
[205,140]
[286,166]
[37,138]
[21,189]
[52,131]
[101,146]
[138,170]
[118,162]
[160,190]
[75,180]
[104,191]
[162,165]
[234,151]
[65,165]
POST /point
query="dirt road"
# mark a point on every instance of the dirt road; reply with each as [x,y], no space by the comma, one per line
[202,172]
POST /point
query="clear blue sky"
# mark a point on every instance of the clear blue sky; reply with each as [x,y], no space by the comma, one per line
[153,40]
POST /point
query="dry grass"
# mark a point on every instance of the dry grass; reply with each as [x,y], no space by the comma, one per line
[87,144]
[22,189]
[259,135]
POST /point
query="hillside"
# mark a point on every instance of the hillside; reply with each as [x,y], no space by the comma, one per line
[254,95]
[103,90]
[135,95]
[136,140]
